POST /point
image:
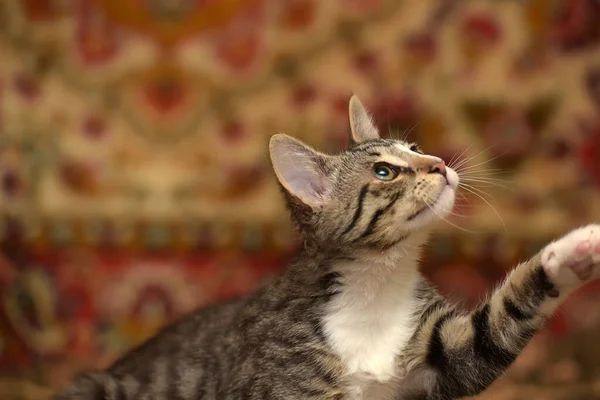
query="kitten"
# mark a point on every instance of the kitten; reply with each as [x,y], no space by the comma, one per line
[352,318]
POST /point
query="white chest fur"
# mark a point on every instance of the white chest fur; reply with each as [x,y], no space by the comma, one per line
[370,322]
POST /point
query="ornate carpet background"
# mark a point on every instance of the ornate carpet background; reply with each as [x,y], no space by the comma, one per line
[135,181]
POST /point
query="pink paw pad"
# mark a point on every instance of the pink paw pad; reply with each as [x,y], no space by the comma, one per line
[583,268]
[583,247]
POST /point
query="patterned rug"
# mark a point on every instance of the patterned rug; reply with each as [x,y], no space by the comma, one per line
[135,182]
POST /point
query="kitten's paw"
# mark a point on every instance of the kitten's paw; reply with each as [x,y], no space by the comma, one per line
[574,258]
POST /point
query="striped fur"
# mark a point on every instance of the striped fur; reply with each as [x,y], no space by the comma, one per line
[467,352]
[351,317]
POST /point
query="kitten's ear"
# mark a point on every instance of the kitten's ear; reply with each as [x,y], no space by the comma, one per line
[362,128]
[302,171]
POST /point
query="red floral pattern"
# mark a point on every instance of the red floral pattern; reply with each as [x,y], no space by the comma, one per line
[133,140]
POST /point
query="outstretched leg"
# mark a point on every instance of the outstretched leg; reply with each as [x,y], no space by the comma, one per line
[462,354]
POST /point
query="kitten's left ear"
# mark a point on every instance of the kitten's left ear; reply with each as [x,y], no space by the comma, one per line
[302,171]
[362,128]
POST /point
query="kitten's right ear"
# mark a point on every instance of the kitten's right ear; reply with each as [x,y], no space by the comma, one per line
[362,127]
[301,170]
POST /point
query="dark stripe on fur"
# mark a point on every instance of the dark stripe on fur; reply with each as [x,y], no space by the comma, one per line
[175,384]
[542,285]
[420,396]
[424,292]
[386,245]
[415,215]
[100,394]
[120,392]
[370,145]
[514,311]
[377,215]
[436,356]
[329,284]
[359,207]
[431,308]
[483,342]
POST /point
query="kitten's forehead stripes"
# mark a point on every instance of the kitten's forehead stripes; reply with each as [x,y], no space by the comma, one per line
[394,148]
[370,145]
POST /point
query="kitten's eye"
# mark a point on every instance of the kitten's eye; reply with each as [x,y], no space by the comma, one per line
[384,172]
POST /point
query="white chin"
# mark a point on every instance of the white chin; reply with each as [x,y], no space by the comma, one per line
[445,202]
[439,210]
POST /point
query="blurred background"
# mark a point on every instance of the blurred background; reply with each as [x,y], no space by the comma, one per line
[135,182]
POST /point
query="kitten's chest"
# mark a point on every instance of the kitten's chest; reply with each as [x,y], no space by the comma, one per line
[369,325]
[370,349]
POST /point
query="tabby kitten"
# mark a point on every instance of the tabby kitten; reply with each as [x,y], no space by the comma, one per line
[352,318]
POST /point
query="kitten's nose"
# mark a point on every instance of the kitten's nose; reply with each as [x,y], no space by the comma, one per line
[438,168]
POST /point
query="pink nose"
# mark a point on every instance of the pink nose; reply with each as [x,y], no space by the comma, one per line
[438,168]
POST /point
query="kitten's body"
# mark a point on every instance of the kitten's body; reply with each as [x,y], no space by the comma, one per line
[352,318]
[277,343]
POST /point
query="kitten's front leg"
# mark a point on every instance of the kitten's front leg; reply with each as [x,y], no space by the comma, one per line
[461,355]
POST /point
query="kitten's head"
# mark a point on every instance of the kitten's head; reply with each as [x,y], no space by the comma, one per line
[370,196]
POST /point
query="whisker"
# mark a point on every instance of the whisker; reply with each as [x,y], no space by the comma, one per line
[489,204]
[468,159]
[470,167]
[481,191]
[458,156]
[483,172]
[462,195]
[461,163]
[406,133]
[464,205]
[486,183]
[461,216]
[444,219]
[430,200]
[458,162]
[464,161]
[486,179]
